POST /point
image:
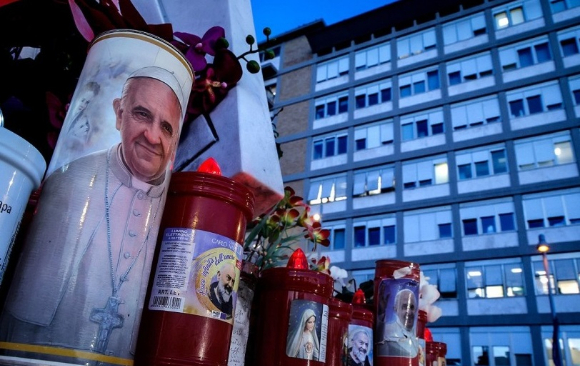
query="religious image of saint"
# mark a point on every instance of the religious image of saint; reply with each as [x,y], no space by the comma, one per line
[80,127]
[83,274]
[360,343]
[221,291]
[303,339]
[398,335]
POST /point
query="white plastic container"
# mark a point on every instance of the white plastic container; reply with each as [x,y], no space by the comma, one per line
[21,170]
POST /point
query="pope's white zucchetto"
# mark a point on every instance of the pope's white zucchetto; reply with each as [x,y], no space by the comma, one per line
[166,77]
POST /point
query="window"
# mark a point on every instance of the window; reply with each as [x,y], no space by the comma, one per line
[463,29]
[574,83]
[563,276]
[375,232]
[508,18]
[423,173]
[487,217]
[494,280]
[372,94]
[332,69]
[525,102]
[373,135]
[470,68]
[372,56]
[543,151]
[569,47]
[558,208]
[569,39]
[475,113]
[444,279]
[331,105]
[435,224]
[376,181]
[480,163]
[418,82]
[416,43]
[524,54]
[445,231]
[422,124]
[516,12]
[562,5]
[338,239]
[329,146]
[337,235]
[326,190]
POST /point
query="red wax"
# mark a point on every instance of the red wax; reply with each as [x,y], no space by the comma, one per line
[210,203]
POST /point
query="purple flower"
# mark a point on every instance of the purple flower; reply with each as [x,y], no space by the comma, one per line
[196,48]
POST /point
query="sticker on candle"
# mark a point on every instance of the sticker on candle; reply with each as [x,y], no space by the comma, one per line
[307,330]
[360,345]
[197,273]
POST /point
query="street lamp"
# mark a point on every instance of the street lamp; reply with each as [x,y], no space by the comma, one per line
[543,248]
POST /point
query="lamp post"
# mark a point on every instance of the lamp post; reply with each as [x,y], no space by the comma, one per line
[543,248]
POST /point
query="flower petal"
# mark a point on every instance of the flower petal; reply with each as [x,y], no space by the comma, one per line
[210,37]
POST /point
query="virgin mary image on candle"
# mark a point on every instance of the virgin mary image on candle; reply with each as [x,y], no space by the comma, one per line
[396,326]
[303,341]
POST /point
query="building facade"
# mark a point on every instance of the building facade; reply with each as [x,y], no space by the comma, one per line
[448,134]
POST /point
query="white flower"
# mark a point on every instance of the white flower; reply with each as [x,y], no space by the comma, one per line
[338,274]
[428,294]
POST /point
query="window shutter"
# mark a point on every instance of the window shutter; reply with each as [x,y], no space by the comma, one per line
[464,30]
[524,153]
[409,173]
[450,34]
[343,65]
[332,69]
[373,180]
[459,116]
[572,202]
[374,137]
[372,57]
[429,38]
[359,184]
[475,113]
[385,53]
[553,206]
[490,108]
[387,175]
[386,132]
[321,73]
[425,170]
[360,59]
[551,95]
[533,209]
[544,150]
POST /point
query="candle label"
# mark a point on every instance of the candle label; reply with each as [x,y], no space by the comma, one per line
[198,273]
[360,345]
[398,308]
[307,330]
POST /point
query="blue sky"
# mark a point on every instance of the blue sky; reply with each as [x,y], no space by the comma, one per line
[286,15]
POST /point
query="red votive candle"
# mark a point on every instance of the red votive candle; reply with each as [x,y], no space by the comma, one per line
[435,354]
[339,318]
[188,316]
[292,328]
[396,305]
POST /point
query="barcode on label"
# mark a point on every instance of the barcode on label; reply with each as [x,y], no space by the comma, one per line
[166,302]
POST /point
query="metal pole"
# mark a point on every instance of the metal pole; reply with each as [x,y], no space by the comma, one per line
[556,357]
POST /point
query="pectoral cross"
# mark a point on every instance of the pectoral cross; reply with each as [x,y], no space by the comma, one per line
[108,318]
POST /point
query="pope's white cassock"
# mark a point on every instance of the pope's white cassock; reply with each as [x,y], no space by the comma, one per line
[83,274]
